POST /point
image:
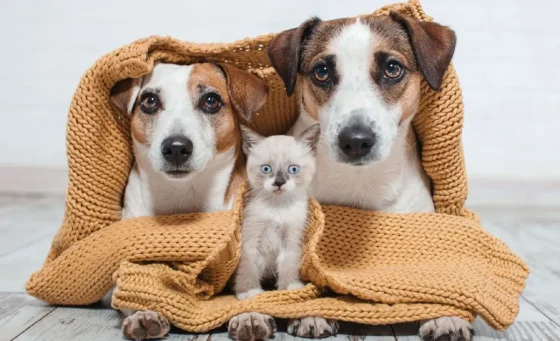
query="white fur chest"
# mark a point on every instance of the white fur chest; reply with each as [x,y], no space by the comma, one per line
[279,216]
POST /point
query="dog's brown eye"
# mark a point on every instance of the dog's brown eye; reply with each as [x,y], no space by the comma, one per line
[322,73]
[211,103]
[393,70]
[150,103]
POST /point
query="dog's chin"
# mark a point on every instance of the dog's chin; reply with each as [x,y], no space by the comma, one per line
[177,174]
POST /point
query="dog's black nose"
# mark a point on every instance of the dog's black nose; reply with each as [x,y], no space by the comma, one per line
[176,149]
[356,141]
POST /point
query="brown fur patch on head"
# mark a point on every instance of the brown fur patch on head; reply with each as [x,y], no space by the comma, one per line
[410,98]
[125,96]
[142,126]
[124,93]
[433,46]
[205,78]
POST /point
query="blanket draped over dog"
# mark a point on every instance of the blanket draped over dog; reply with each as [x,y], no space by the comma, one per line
[366,267]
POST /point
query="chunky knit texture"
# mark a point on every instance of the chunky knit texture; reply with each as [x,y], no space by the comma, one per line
[385,268]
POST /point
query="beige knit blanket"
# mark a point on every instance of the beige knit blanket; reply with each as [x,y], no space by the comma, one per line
[383,268]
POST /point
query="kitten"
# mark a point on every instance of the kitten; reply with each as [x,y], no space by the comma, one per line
[280,169]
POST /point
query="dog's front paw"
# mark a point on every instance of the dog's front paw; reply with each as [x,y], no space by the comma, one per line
[313,327]
[145,325]
[251,327]
[446,329]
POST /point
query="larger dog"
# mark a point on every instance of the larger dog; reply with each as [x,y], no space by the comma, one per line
[187,147]
[360,78]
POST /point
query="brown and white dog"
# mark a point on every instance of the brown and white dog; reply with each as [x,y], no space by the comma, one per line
[185,124]
[360,79]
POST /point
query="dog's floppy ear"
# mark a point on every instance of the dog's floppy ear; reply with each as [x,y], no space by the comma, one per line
[284,52]
[250,139]
[246,91]
[433,46]
[310,136]
[125,92]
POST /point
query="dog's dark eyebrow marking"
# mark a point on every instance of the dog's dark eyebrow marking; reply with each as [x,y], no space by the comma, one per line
[201,88]
[152,90]
[204,89]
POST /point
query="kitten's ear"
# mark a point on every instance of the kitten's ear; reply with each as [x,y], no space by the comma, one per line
[310,136]
[250,139]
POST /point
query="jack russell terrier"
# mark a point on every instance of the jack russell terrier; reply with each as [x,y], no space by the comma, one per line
[185,127]
[360,79]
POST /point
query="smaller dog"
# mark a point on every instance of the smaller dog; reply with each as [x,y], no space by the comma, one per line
[187,145]
[280,170]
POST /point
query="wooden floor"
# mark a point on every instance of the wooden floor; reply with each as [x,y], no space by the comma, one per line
[27,224]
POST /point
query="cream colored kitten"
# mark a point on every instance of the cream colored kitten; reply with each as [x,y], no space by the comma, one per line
[280,169]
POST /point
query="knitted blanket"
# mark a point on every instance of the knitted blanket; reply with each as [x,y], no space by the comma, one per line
[367,267]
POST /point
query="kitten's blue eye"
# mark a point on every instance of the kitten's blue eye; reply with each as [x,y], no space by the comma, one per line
[266,169]
[293,169]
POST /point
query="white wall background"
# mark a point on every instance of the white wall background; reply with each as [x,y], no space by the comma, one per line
[507,58]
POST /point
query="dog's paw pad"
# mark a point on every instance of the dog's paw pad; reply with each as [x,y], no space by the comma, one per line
[251,327]
[312,327]
[144,325]
[446,329]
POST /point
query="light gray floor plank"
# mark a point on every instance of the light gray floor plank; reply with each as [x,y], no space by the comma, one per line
[79,324]
[26,219]
[406,331]
[358,332]
[27,225]
[530,325]
[534,236]
[16,267]
[175,336]
[18,312]
[86,324]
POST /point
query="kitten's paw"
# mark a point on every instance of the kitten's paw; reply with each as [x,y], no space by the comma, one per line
[251,327]
[446,329]
[248,294]
[295,286]
[144,325]
[313,327]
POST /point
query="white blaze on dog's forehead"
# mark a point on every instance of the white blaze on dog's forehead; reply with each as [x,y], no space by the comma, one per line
[171,80]
[354,47]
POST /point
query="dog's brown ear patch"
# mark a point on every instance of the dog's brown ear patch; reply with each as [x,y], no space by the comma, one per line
[284,52]
[247,92]
[433,46]
[124,93]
